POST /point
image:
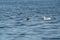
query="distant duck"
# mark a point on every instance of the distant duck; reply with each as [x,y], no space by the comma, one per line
[27,19]
[46,18]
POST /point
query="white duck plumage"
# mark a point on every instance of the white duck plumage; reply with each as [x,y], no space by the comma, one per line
[46,18]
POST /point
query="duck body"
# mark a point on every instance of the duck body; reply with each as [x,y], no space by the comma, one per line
[46,18]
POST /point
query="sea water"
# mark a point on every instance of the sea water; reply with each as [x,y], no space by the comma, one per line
[15,26]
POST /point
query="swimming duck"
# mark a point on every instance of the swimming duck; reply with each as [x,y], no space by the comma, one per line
[46,18]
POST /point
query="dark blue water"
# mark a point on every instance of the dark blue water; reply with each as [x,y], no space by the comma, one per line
[23,20]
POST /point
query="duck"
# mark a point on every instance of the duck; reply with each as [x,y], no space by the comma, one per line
[27,19]
[46,18]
